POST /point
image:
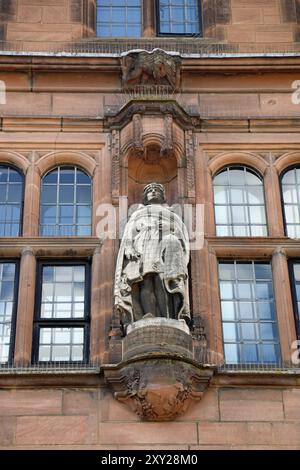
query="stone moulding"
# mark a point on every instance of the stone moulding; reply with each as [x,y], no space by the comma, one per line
[158,387]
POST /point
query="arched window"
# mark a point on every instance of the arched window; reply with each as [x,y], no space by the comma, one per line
[11,201]
[290,184]
[66,203]
[239,203]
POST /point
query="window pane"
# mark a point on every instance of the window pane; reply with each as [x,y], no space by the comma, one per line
[11,196]
[179,16]
[119,18]
[7,287]
[60,203]
[249,321]
[65,301]
[239,191]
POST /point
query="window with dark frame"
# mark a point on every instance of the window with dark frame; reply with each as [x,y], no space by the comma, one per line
[124,18]
[11,201]
[9,273]
[66,203]
[178,17]
[294,266]
[61,330]
[249,321]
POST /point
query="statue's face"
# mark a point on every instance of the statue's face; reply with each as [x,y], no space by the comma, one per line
[154,196]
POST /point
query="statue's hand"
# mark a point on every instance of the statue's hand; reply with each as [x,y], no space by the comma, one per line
[132,255]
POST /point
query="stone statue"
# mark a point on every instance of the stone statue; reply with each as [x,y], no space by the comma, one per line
[151,274]
[151,68]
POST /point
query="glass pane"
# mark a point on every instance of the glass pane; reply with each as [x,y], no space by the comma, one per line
[238,215]
[267,331]
[289,177]
[83,194]
[77,353]
[63,310]
[63,273]
[226,290]
[246,310]
[237,196]
[51,178]
[263,271]
[257,215]
[63,292]
[297,272]
[237,177]
[249,353]
[248,331]
[221,215]
[220,195]
[60,353]
[227,271]
[230,332]
[66,194]
[45,353]
[252,179]
[269,353]
[231,353]
[45,335]
[264,290]
[66,175]
[79,273]
[244,271]
[265,310]
[245,290]
[228,310]
[61,335]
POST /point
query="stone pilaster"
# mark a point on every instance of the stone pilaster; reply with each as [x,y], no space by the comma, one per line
[25,312]
[31,202]
[284,304]
[273,202]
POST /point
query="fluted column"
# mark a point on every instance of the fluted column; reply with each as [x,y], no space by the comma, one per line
[25,312]
[273,202]
[284,304]
[216,344]
[31,202]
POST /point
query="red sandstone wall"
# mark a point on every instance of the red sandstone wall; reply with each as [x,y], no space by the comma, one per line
[227,418]
[234,21]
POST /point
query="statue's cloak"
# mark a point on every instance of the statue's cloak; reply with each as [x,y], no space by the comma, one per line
[155,240]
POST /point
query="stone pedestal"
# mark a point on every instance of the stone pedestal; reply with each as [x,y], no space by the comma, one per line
[156,336]
[158,377]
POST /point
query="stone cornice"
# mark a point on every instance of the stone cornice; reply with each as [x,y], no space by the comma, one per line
[254,248]
[66,247]
[218,64]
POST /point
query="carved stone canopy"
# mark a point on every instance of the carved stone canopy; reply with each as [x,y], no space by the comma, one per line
[156,68]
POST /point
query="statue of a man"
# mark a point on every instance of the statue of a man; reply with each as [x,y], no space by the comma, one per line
[151,274]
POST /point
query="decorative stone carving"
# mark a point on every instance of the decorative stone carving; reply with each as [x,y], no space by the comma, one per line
[150,68]
[151,274]
[158,389]
[190,158]
[115,153]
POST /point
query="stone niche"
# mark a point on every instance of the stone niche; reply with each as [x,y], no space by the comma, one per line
[151,364]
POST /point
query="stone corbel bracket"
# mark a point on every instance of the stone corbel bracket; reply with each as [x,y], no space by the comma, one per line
[158,388]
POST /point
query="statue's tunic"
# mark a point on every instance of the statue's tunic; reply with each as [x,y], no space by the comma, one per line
[155,241]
